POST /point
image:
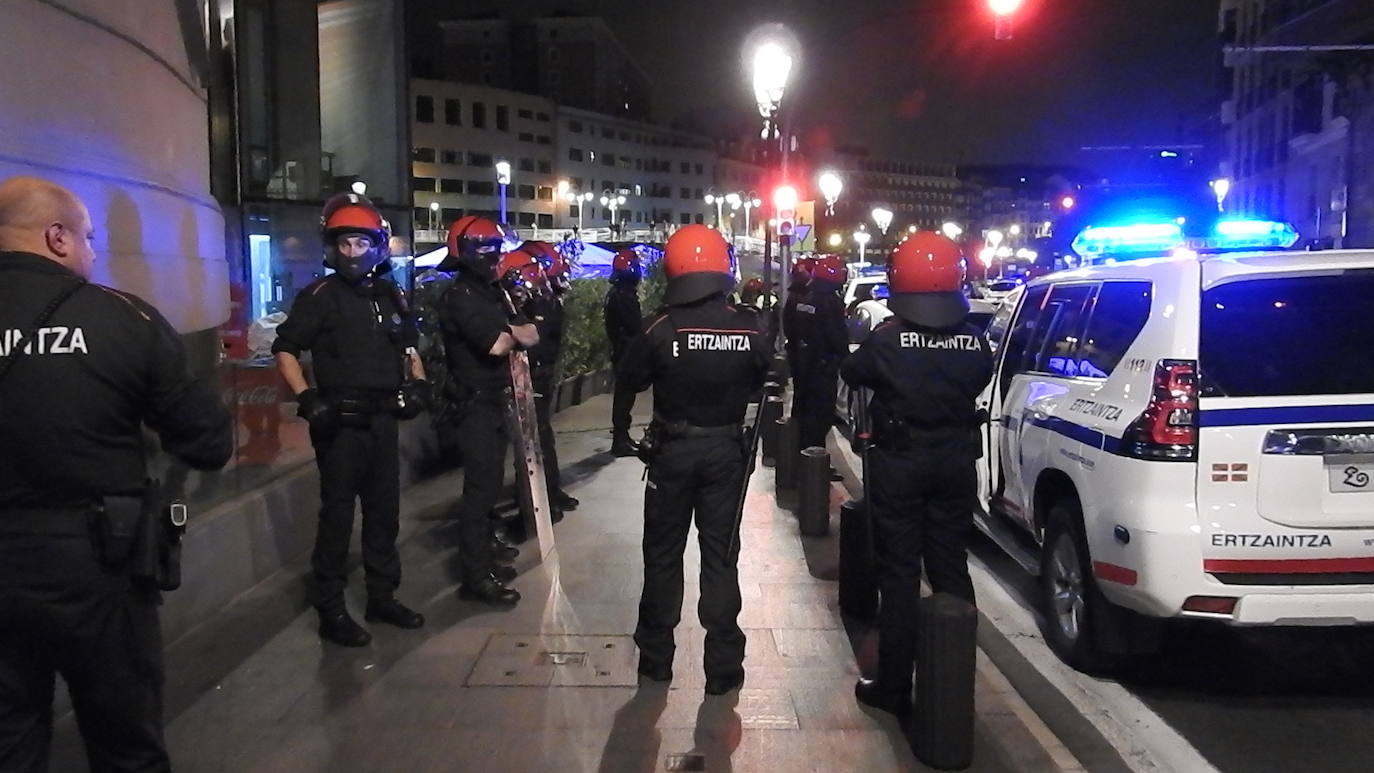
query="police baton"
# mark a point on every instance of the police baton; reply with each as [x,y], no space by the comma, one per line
[753,435]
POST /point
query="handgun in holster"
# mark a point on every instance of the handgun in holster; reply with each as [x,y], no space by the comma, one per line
[651,443]
[141,535]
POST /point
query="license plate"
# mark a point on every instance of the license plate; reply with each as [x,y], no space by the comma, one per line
[1350,474]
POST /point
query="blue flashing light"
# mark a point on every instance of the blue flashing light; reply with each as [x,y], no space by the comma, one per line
[1140,240]
[1254,234]
[1134,239]
[880,292]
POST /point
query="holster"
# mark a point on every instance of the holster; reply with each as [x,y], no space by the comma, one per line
[651,443]
[141,535]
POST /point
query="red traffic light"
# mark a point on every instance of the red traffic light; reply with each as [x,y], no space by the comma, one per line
[785,197]
[1005,7]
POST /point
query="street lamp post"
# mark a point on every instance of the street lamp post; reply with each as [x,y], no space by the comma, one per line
[433,215]
[882,217]
[861,238]
[952,231]
[503,180]
[1221,188]
[613,200]
[734,201]
[750,201]
[717,201]
[559,195]
[770,51]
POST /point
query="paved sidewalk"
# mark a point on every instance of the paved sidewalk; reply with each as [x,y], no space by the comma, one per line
[550,685]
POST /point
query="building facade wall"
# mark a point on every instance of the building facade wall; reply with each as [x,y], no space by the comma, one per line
[133,146]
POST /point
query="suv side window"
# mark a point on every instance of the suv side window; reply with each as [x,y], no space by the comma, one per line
[1027,322]
[1066,314]
[1001,321]
[1120,313]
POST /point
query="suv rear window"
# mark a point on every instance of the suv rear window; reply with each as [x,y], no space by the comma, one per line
[1293,335]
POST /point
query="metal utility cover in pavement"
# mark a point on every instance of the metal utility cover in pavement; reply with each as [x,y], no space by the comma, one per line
[549,660]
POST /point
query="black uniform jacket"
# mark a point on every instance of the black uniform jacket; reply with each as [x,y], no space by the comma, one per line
[704,361]
[72,406]
[473,315]
[547,315]
[924,378]
[820,336]
[357,334]
[623,316]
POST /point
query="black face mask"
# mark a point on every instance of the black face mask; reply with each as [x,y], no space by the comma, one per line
[355,270]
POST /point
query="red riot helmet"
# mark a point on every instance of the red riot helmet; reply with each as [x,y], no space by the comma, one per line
[926,280]
[554,264]
[352,215]
[828,272]
[474,244]
[698,263]
[521,276]
[625,267]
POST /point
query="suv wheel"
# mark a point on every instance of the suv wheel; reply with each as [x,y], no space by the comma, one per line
[1071,601]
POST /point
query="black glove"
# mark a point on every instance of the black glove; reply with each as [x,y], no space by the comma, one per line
[319,412]
[413,399]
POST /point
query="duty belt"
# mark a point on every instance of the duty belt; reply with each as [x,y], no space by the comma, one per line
[361,401]
[46,522]
[681,429]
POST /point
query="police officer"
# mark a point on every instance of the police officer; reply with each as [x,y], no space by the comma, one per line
[704,359]
[623,320]
[82,366]
[798,289]
[547,314]
[362,338]
[821,341]
[926,366]
[480,331]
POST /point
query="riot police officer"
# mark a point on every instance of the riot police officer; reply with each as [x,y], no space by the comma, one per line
[926,366]
[480,331]
[547,314]
[798,288]
[623,320]
[362,338]
[704,359]
[820,342]
[82,366]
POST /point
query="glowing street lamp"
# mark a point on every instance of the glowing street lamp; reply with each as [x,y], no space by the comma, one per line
[995,238]
[718,201]
[433,214]
[359,187]
[1015,229]
[772,65]
[952,230]
[831,185]
[580,201]
[613,200]
[751,200]
[503,180]
[1221,188]
[733,199]
[836,239]
[862,238]
[882,217]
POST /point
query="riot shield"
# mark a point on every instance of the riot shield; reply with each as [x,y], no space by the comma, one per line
[531,489]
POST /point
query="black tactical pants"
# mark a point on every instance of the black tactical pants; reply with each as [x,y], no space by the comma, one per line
[701,477]
[813,403]
[357,463]
[61,612]
[622,397]
[482,442]
[922,502]
[543,408]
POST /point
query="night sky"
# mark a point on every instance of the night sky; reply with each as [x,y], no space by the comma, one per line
[924,79]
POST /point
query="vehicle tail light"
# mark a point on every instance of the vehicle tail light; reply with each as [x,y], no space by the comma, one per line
[1216,605]
[1167,429]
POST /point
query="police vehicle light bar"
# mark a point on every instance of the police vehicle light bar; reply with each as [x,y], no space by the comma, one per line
[1141,240]
[1134,239]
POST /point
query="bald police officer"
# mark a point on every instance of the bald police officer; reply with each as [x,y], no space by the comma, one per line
[82,367]
[926,366]
[704,358]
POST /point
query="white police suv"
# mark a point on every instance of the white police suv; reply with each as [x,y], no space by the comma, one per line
[1186,436]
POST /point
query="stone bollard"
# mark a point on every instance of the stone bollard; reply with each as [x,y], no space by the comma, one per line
[770,416]
[813,492]
[941,723]
[858,566]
